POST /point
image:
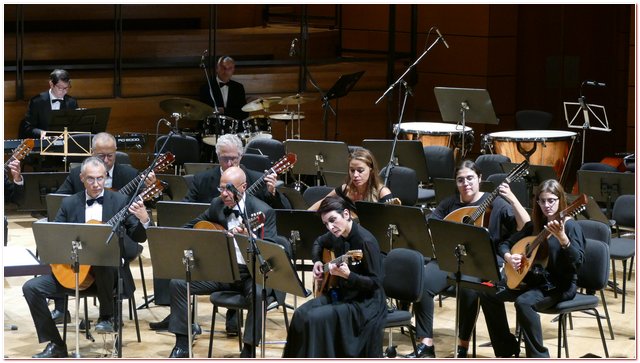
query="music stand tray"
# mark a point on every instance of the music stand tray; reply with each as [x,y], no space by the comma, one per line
[90,120]
[294,197]
[36,187]
[605,186]
[475,102]
[409,153]
[407,226]
[537,173]
[53,201]
[315,157]
[177,214]
[178,187]
[343,85]
[301,227]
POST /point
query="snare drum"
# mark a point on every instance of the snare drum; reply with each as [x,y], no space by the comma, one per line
[258,124]
[215,126]
[540,147]
[437,133]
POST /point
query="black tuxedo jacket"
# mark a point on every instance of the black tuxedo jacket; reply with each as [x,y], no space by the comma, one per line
[39,114]
[235,100]
[215,214]
[122,174]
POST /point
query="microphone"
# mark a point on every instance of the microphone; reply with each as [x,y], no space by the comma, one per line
[292,48]
[594,83]
[232,189]
[202,65]
[441,37]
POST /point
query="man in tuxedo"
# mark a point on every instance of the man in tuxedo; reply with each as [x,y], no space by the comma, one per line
[36,121]
[229,94]
[93,203]
[223,210]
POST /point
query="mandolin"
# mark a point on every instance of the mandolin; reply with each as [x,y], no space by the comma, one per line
[256,221]
[19,153]
[328,281]
[475,214]
[64,272]
[285,163]
[164,161]
[528,246]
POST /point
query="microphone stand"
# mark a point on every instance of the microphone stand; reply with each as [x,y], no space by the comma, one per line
[118,228]
[584,106]
[407,91]
[256,256]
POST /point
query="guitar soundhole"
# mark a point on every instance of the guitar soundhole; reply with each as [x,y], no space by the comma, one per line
[467,220]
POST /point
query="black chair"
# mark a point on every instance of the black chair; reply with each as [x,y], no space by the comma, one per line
[592,276]
[623,249]
[256,162]
[185,149]
[490,164]
[403,282]
[533,120]
[598,167]
[122,158]
[440,161]
[272,148]
[315,193]
[403,183]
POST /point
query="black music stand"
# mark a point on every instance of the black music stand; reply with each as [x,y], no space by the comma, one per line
[294,197]
[36,187]
[178,187]
[171,214]
[468,253]
[605,186]
[79,243]
[316,157]
[281,276]
[53,202]
[341,88]
[90,120]
[535,175]
[192,255]
[409,153]
[464,105]
[396,226]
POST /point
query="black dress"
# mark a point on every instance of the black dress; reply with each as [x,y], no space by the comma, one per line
[353,326]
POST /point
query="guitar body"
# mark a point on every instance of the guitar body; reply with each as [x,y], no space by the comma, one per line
[328,281]
[209,225]
[67,278]
[530,254]
[463,215]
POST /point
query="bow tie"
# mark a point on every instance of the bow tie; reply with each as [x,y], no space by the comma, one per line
[91,201]
[222,84]
[227,211]
[57,100]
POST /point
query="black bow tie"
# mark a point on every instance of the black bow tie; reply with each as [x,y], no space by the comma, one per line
[222,84]
[227,211]
[91,201]
[57,100]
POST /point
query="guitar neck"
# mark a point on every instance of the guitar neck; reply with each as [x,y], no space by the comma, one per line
[132,185]
[258,183]
[7,170]
[335,261]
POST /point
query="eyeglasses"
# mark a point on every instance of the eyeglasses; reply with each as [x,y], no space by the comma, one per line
[224,188]
[92,180]
[549,201]
[228,159]
[108,156]
[62,88]
[468,178]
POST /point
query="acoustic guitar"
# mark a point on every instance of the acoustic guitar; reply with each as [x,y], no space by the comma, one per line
[284,164]
[328,281]
[64,272]
[19,153]
[256,221]
[528,246]
[164,161]
[475,214]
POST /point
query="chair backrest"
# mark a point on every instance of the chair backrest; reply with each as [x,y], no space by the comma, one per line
[315,193]
[518,187]
[440,161]
[594,271]
[256,162]
[403,183]
[185,148]
[122,158]
[598,167]
[533,120]
[596,230]
[272,148]
[403,274]
[194,168]
[490,164]
[624,211]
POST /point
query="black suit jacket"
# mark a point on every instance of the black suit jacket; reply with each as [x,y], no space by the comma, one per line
[215,213]
[235,100]
[39,114]
[122,174]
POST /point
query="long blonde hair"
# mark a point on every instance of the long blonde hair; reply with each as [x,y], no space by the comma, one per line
[374,183]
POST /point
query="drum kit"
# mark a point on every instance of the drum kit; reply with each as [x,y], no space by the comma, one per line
[257,125]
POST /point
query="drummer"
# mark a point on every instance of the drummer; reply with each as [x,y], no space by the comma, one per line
[229,94]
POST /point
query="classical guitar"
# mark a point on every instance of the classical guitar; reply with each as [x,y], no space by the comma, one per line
[164,161]
[328,281]
[64,272]
[285,163]
[19,153]
[528,246]
[475,214]
[256,221]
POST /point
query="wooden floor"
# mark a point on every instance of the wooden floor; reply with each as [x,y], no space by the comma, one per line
[22,343]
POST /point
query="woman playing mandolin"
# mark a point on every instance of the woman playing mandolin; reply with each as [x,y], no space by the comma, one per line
[355,306]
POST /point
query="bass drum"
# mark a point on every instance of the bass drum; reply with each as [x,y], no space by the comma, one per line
[216,126]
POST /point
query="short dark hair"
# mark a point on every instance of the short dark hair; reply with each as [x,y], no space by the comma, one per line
[332,203]
[468,164]
[59,75]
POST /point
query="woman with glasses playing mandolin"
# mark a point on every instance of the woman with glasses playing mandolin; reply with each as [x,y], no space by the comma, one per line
[561,250]
[347,318]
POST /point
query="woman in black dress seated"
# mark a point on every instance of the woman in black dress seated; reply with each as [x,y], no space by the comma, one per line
[347,320]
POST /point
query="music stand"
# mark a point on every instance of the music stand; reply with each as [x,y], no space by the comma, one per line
[535,175]
[89,120]
[294,197]
[178,187]
[396,226]
[605,186]
[592,210]
[341,88]
[582,107]
[409,153]
[464,105]
[36,187]
[53,201]
[468,252]
[316,157]
[281,276]
[79,243]
[192,255]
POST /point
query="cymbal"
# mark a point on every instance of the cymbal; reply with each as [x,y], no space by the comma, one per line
[295,100]
[187,108]
[286,117]
[260,104]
